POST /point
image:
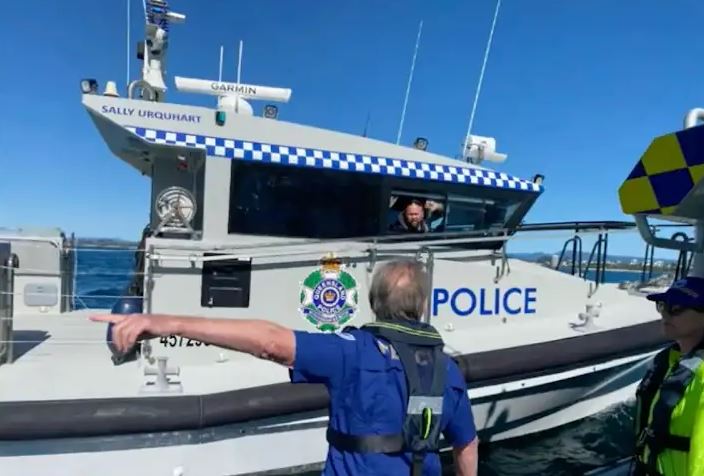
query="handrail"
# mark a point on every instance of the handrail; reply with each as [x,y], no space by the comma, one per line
[578,226]
[599,275]
[683,264]
[576,242]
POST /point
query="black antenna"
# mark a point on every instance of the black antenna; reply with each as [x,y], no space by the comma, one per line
[366,126]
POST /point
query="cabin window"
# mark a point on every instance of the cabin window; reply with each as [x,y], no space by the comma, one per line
[415,212]
[279,200]
[470,214]
[474,209]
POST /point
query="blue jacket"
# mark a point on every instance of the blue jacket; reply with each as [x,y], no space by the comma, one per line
[368,395]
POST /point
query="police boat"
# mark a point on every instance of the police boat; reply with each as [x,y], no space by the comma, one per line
[251,216]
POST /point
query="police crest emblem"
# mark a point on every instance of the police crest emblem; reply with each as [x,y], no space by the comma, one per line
[329,296]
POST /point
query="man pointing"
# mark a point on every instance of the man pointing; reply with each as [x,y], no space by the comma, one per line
[393,391]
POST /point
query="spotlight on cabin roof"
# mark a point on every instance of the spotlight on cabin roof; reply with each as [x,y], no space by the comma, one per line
[538,179]
[421,143]
[89,86]
[271,111]
[479,148]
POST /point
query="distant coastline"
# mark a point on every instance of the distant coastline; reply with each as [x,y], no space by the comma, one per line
[105,243]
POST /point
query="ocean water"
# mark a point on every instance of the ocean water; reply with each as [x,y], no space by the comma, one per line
[571,450]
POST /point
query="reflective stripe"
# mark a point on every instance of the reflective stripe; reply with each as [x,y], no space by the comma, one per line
[416,404]
[427,422]
[693,362]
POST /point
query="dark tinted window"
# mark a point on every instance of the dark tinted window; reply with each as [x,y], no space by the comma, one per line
[470,213]
[303,202]
[461,210]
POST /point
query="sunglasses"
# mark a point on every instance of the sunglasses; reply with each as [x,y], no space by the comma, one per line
[675,309]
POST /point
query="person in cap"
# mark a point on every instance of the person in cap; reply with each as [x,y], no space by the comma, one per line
[393,391]
[670,398]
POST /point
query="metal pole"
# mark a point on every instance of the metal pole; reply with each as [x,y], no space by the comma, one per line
[127,78]
[408,86]
[697,267]
[429,270]
[606,255]
[481,78]
[6,350]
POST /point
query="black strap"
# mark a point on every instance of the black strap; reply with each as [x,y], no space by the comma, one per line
[417,464]
[676,442]
[649,387]
[640,469]
[365,443]
[662,442]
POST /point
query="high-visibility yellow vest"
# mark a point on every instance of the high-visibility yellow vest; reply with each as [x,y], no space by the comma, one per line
[670,415]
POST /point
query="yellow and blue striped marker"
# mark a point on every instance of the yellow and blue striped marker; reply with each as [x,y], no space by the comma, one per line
[665,174]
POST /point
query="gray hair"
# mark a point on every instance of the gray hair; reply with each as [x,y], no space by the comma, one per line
[399,290]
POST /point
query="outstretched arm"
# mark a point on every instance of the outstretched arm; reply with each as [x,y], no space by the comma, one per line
[466,458]
[263,339]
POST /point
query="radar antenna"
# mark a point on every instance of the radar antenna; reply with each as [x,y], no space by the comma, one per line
[153,50]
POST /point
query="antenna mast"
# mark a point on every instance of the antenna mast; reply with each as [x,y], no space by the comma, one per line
[127,82]
[158,18]
[408,86]
[220,70]
[481,76]
[239,64]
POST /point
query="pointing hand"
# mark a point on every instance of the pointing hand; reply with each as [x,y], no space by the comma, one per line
[129,328]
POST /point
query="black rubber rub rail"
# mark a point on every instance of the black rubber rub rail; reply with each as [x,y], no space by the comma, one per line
[115,416]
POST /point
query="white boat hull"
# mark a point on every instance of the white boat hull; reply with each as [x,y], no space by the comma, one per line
[298,444]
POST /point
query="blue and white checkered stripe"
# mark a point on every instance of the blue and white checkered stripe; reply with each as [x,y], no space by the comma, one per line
[325,159]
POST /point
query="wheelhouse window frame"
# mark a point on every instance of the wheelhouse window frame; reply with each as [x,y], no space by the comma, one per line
[334,197]
[519,202]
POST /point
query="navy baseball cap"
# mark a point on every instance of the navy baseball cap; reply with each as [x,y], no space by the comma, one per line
[687,292]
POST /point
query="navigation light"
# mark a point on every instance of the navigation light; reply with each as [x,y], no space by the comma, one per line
[220,118]
[538,179]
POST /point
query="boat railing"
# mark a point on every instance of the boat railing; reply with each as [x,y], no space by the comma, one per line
[7,286]
[598,258]
[366,251]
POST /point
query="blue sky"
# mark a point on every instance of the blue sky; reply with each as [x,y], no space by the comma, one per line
[574,90]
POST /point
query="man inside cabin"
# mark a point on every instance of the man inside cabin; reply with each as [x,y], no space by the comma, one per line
[411,219]
[393,391]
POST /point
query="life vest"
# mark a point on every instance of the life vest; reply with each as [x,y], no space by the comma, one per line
[415,346]
[654,433]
